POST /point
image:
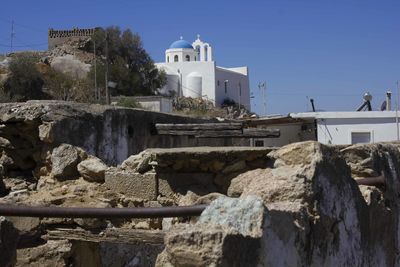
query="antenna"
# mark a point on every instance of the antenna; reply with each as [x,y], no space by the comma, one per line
[263,86]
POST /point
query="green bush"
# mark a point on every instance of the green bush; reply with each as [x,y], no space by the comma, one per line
[128,102]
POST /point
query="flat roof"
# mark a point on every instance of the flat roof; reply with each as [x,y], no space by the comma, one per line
[344,115]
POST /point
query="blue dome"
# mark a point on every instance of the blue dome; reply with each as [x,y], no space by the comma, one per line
[181,44]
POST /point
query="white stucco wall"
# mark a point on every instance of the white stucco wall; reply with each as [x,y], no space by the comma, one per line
[290,133]
[337,127]
[234,78]
[205,68]
[338,131]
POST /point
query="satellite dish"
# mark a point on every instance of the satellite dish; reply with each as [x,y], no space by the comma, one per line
[367,96]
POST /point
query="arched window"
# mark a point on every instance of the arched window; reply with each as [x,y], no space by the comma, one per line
[205,53]
[176,58]
[187,58]
[167,58]
[198,52]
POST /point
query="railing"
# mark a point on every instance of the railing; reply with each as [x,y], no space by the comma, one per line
[63,212]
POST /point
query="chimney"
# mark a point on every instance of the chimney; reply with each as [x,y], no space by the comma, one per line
[388,100]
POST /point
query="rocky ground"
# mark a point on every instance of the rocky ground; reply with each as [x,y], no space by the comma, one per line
[298,205]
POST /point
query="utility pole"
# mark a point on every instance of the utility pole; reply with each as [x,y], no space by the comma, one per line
[95,72]
[108,102]
[397,111]
[263,86]
[12,36]
[240,92]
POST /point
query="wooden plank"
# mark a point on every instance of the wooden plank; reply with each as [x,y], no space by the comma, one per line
[261,133]
[247,133]
[199,126]
[216,133]
[126,236]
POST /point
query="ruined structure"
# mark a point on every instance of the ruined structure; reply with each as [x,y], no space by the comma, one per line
[299,205]
[59,37]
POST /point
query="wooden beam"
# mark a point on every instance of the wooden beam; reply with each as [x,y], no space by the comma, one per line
[128,236]
[199,126]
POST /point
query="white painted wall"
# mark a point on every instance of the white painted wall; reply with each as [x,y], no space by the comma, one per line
[234,78]
[337,127]
[290,133]
[204,68]
[155,103]
[338,131]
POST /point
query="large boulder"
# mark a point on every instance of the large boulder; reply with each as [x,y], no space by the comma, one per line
[92,169]
[226,234]
[64,160]
[8,243]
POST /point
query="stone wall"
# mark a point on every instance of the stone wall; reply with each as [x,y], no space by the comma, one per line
[58,37]
[110,133]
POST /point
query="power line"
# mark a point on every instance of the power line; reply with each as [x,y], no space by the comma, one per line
[21,25]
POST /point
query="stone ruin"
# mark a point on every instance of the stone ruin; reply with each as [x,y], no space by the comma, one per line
[298,205]
[59,37]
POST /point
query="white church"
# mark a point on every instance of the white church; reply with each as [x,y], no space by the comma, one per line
[192,72]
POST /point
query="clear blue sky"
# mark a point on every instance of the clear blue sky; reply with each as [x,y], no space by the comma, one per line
[332,51]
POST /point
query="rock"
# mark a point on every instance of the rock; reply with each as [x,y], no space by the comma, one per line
[8,243]
[138,163]
[202,245]
[64,160]
[171,183]
[132,184]
[241,181]
[226,234]
[55,253]
[207,199]
[92,169]
[242,215]
[235,167]
[5,143]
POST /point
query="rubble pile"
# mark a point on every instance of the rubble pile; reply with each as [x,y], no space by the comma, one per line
[298,205]
[205,108]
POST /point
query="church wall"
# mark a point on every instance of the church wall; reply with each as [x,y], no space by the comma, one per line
[205,69]
[233,90]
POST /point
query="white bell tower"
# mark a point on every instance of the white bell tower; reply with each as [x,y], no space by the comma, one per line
[203,50]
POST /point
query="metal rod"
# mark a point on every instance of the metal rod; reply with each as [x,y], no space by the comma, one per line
[62,212]
[372,181]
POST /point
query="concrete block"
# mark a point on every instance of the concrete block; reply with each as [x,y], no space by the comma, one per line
[132,184]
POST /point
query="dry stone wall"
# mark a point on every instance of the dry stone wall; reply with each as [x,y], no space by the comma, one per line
[298,205]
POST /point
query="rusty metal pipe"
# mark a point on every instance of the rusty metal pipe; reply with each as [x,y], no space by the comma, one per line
[372,181]
[106,213]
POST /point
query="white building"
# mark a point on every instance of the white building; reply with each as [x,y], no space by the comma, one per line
[192,72]
[342,128]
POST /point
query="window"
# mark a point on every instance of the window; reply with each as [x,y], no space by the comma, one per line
[258,143]
[360,137]
[187,58]
[198,51]
[195,59]
[176,58]
[218,82]
[205,53]
[168,59]
[226,87]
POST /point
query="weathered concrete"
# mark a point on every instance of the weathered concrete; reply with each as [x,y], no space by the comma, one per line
[132,183]
[108,132]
